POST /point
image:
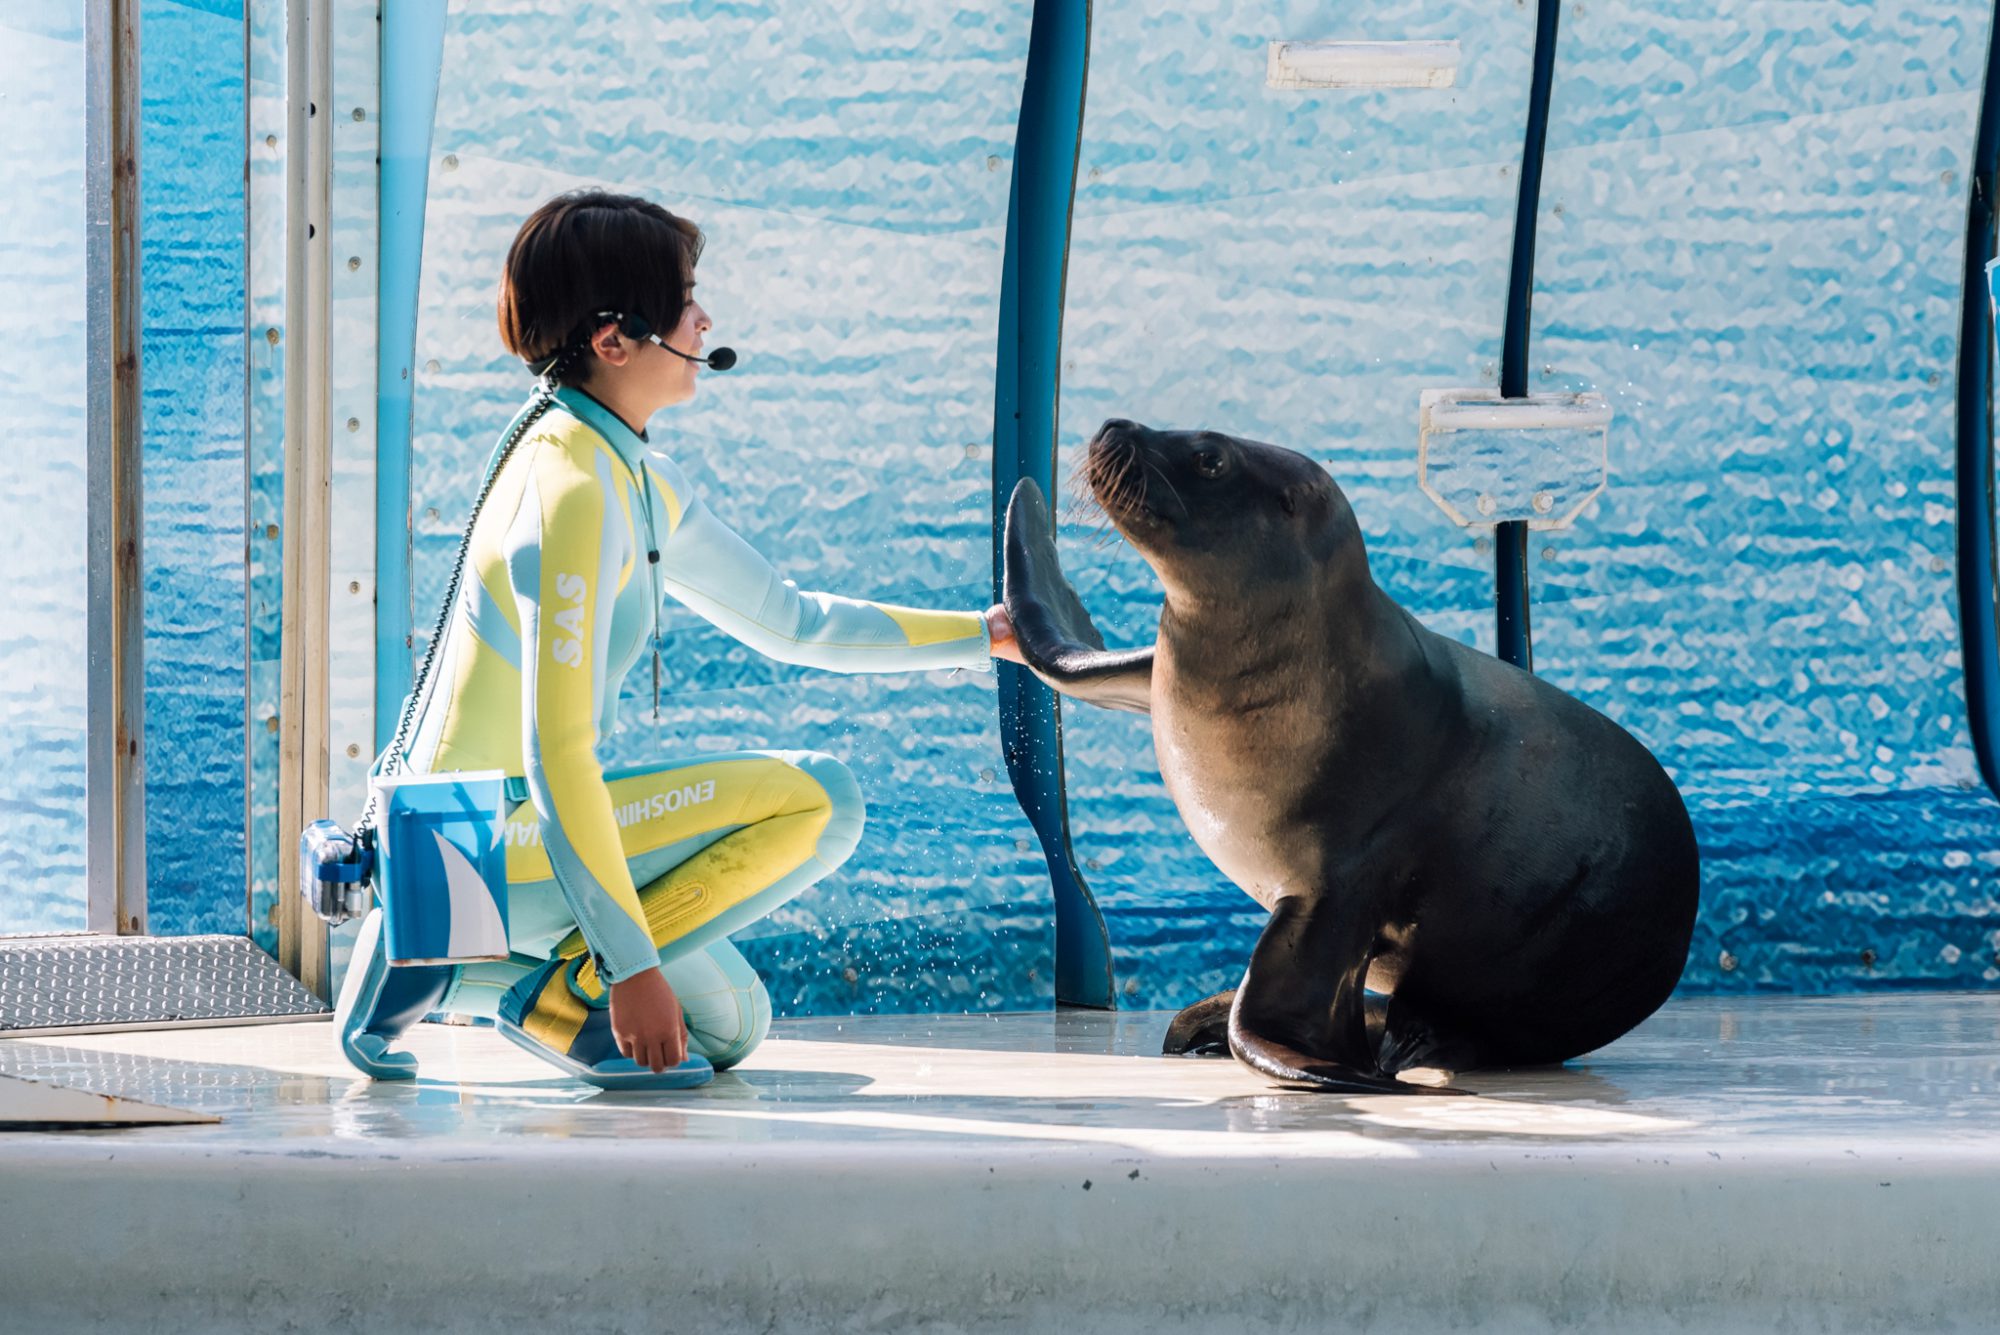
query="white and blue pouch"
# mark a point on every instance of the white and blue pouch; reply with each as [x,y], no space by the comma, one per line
[441,866]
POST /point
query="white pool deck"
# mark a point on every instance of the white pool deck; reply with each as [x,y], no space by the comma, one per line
[1739,1165]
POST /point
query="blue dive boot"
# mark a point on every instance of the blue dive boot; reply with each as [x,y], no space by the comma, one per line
[543,1014]
[377,1003]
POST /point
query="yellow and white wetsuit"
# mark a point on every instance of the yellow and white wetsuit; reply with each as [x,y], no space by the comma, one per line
[654,865]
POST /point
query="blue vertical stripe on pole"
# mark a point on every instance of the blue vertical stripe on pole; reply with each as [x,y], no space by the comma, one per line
[412,56]
[1047,141]
[1514,639]
[1974,474]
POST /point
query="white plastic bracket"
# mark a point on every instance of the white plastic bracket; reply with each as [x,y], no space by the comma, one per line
[1537,460]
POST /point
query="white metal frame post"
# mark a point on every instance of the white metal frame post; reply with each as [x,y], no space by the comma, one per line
[302,698]
[115,765]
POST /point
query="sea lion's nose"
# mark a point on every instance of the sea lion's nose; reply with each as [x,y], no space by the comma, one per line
[1116,426]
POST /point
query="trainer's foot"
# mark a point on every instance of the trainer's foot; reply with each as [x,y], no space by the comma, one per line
[378,1003]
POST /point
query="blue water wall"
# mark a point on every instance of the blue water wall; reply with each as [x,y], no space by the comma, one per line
[849,165]
[192,282]
[42,482]
[1750,231]
[1750,234]
[192,225]
[1750,241]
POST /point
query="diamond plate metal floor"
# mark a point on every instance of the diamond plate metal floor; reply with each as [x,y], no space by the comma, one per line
[70,982]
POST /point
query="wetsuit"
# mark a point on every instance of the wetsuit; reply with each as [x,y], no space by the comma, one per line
[587,529]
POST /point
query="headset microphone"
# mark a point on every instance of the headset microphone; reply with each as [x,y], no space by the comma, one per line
[719,360]
[636,326]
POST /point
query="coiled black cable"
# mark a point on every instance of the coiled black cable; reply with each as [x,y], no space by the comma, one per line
[392,759]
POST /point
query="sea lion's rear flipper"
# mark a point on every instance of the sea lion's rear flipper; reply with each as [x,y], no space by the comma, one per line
[1056,636]
[1201,1030]
[1300,1016]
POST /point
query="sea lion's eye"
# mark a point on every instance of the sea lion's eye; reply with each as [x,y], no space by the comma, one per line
[1210,463]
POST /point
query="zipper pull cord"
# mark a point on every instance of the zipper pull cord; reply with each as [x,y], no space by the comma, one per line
[653,559]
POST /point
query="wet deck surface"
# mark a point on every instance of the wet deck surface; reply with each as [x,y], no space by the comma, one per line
[1762,1076]
[1732,1164]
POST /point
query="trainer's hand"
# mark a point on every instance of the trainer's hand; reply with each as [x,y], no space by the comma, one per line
[646,1020]
[1002,630]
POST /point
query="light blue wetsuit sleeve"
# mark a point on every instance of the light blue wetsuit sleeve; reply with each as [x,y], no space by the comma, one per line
[705,565]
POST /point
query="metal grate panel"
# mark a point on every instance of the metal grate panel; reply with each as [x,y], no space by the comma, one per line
[75,982]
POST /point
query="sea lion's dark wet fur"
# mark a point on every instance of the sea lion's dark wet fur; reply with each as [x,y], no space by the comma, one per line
[1512,869]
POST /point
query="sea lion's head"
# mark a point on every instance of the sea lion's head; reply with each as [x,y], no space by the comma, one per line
[1218,517]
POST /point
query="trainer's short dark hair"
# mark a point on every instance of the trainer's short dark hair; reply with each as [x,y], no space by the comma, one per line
[588,251]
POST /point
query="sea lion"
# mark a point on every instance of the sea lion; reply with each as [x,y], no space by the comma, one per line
[1511,875]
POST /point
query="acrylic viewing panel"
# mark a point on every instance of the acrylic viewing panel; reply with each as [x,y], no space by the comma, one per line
[43,286]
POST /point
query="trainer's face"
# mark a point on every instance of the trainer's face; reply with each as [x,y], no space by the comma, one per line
[677,378]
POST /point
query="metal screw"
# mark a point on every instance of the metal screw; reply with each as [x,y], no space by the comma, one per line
[1481,546]
[353,424]
[1485,505]
[353,263]
[431,366]
[451,162]
[271,336]
[972,451]
[1131,987]
[1548,553]
[1868,958]
[986,776]
[360,114]
[1936,378]
[354,586]
[1937,565]
[430,512]
[992,164]
[1544,502]
[271,723]
[270,530]
[1093,864]
[353,750]
[270,141]
[1021,845]
[1728,962]
[849,975]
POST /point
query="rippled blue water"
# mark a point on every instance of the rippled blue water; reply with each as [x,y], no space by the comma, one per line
[1749,243]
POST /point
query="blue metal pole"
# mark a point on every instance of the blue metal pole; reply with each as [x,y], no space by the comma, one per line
[1974,476]
[412,55]
[1510,541]
[1046,144]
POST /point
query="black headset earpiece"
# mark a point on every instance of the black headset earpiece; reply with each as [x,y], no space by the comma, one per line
[639,329]
[635,327]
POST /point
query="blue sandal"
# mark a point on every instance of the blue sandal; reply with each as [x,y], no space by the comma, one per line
[543,1015]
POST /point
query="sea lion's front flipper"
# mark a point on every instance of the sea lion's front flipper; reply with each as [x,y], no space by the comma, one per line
[1056,636]
[1300,1016]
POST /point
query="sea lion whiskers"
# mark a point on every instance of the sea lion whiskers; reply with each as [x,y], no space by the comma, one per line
[1112,472]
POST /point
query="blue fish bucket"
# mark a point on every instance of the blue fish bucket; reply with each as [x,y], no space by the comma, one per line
[441,867]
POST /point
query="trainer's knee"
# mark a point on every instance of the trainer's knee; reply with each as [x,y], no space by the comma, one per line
[728,1012]
[846,811]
